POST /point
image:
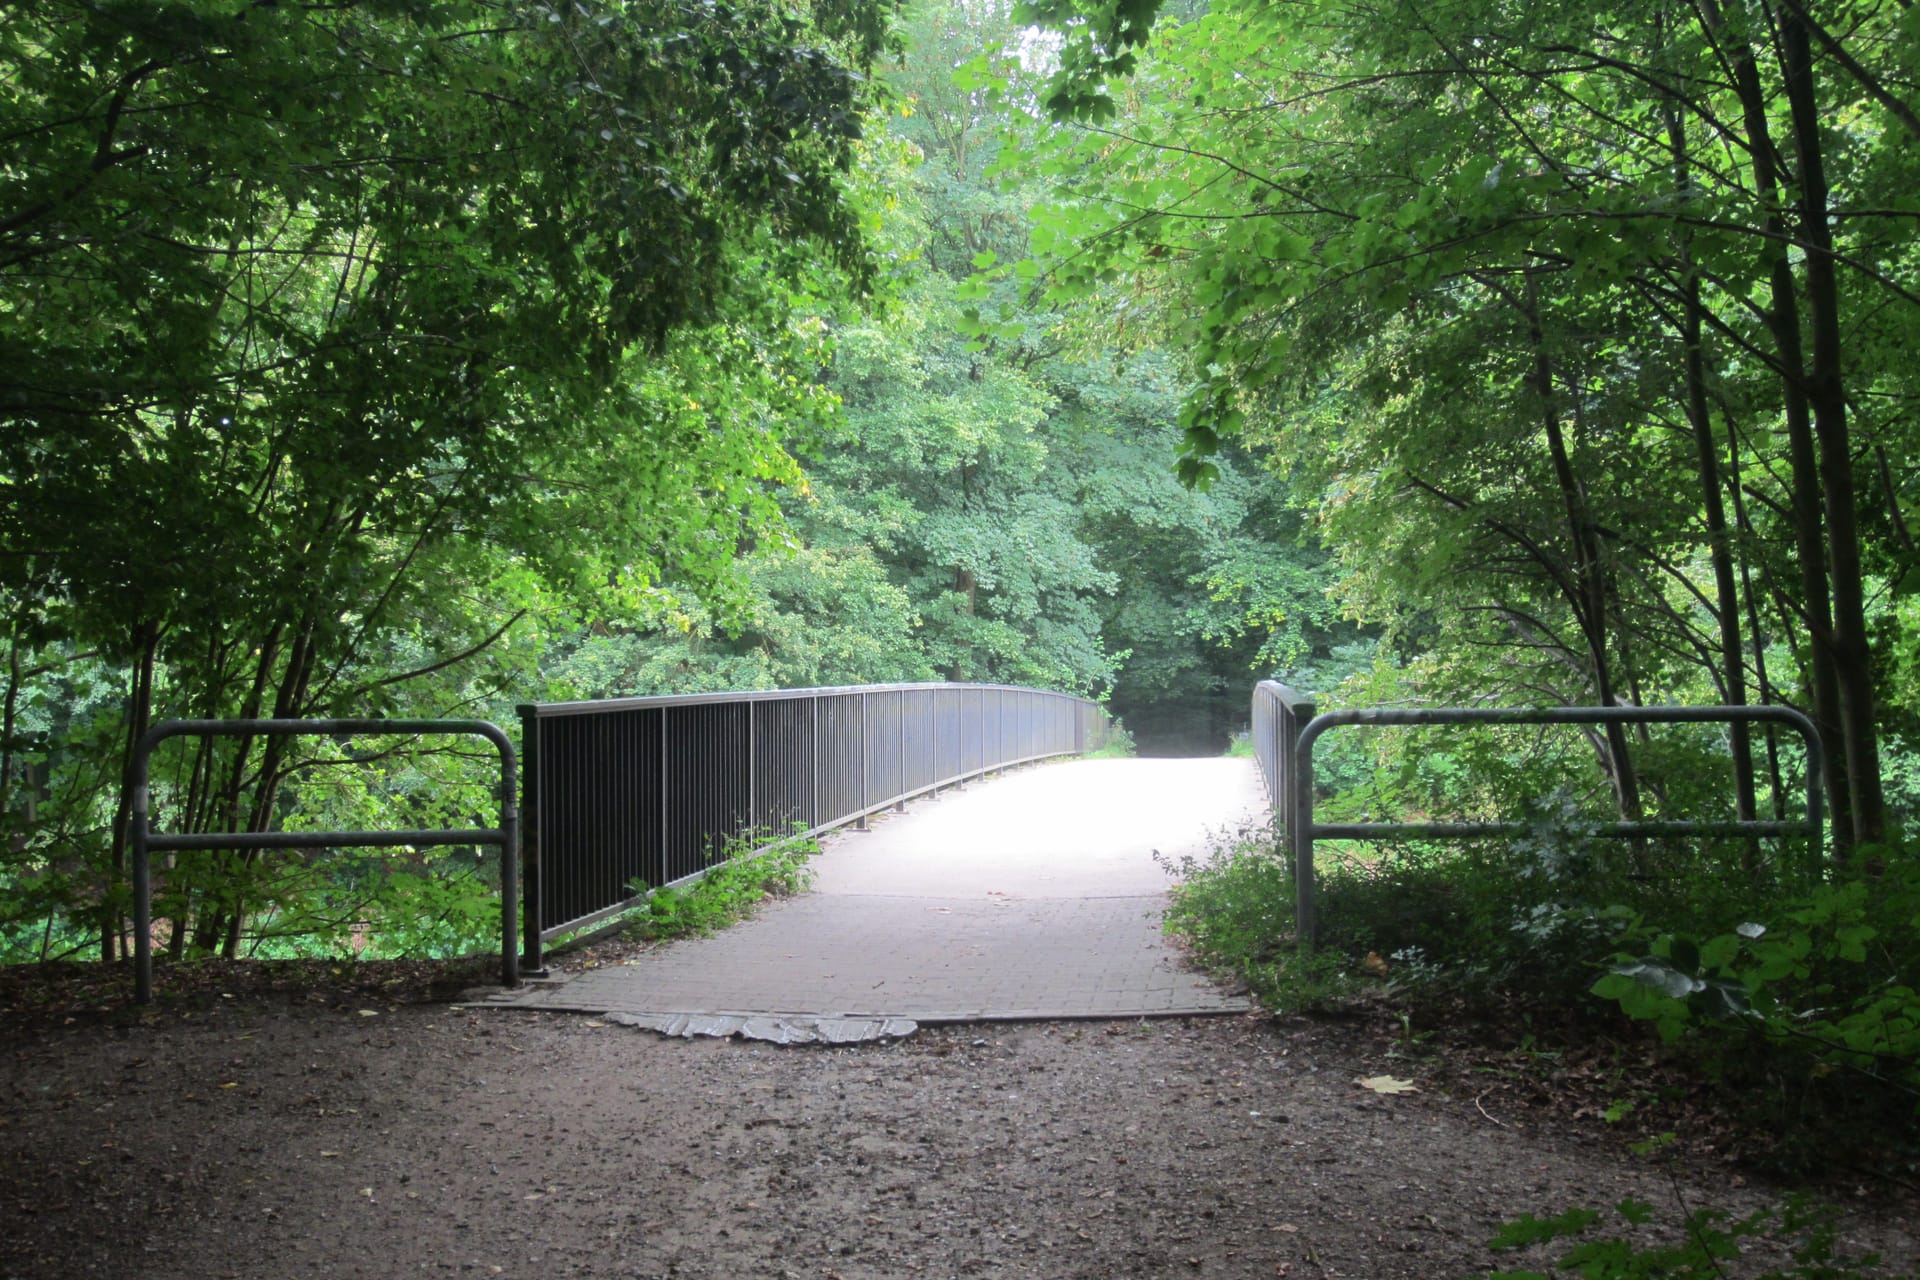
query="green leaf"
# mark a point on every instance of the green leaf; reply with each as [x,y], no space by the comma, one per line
[1527,1229]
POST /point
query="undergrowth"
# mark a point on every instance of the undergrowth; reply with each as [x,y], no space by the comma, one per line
[741,876]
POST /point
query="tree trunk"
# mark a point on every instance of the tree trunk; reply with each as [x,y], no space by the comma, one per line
[1826,393]
[7,721]
[289,704]
[1700,418]
[146,644]
[1783,320]
[1753,622]
[223,806]
[1590,604]
[967,587]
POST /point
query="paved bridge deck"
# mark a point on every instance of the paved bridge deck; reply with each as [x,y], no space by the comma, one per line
[1032,895]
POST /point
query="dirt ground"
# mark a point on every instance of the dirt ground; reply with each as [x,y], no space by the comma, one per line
[345,1132]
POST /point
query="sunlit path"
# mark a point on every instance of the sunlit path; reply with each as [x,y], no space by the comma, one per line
[1034,895]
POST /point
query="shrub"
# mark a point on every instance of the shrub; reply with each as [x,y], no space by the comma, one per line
[1804,1006]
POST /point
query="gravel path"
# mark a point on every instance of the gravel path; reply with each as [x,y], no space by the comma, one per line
[251,1133]
[261,1138]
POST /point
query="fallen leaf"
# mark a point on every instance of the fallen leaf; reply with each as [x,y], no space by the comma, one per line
[369,1013]
[231,1084]
[1387,1084]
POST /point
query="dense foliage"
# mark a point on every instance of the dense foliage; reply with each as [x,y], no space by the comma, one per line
[386,359]
[1003,507]
[326,332]
[1580,331]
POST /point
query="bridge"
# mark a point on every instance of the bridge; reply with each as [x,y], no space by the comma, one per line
[968,871]
[1036,895]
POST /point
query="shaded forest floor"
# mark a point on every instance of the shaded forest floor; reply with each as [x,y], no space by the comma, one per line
[358,1121]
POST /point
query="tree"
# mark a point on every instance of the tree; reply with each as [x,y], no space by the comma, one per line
[324,325]
[1016,484]
[1492,278]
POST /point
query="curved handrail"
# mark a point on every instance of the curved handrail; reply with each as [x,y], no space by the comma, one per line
[627,795]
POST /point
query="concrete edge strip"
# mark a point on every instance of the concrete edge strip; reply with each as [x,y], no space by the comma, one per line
[854,1028]
[774,1028]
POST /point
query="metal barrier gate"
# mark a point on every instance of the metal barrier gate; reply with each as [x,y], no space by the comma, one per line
[1285,727]
[628,795]
[144,840]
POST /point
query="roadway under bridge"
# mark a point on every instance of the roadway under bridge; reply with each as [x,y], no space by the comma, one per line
[1037,893]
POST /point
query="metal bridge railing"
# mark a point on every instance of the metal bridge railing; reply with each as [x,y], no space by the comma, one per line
[1285,728]
[632,794]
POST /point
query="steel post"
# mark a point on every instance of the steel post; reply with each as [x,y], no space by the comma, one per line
[530,834]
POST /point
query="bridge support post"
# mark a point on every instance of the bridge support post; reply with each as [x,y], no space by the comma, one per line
[866,765]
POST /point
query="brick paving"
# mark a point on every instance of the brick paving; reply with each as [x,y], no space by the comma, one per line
[1048,907]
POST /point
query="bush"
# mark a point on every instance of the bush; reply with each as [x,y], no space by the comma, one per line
[1531,915]
[1118,746]
[1803,1006]
[1236,910]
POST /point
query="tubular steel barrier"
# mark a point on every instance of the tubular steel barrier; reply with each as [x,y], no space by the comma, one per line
[629,795]
[144,840]
[1285,729]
